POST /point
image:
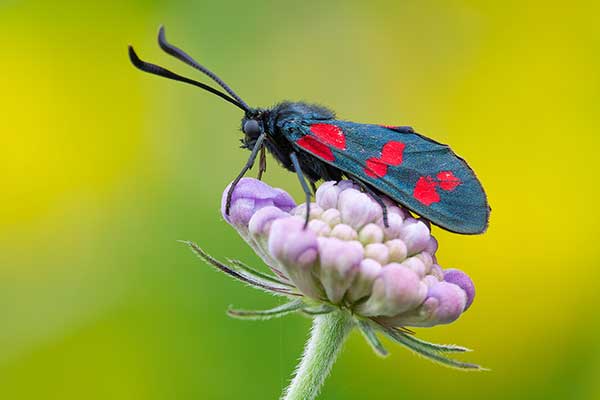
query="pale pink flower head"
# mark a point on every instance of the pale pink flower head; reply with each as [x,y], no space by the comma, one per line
[347,257]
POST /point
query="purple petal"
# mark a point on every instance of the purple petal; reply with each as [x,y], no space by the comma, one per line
[371,233]
[396,290]
[327,195]
[296,250]
[344,232]
[444,304]
[463,281]
[358,209]
[394,228]
[378,252]
[432,246]
[249,196]
[339,262]
[437,271]
[416,265]
[261,221]
[415,235]
[451,302]
[363,283]
[397,250]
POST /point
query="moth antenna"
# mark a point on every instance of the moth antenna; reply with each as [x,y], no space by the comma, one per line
[165,73]
[183,56]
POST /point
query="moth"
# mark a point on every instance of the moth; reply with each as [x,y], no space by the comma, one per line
[413,170]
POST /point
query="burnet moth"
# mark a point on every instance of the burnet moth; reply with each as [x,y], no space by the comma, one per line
[417,172]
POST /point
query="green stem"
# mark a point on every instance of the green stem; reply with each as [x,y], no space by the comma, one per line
[327,337]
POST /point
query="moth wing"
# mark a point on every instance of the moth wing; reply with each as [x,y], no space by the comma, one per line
[423,175]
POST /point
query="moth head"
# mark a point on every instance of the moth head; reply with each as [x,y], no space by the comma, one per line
[252,127]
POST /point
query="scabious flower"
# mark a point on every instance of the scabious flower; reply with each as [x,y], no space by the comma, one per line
[347,257]
[347,261]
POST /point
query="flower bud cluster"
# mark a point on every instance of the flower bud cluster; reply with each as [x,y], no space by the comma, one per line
[348,257]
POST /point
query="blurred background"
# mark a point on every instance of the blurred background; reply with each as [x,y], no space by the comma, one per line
[104,168]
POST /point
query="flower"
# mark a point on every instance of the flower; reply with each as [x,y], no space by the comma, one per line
[347,260]
[347,257]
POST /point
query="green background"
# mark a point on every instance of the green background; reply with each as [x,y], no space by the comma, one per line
[103,168]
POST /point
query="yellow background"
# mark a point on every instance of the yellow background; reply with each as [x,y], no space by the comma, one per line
[103,168]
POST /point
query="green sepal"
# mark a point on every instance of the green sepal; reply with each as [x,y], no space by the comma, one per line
[319,309]
[258,274]
[441,348]
[279,311]
[431,351]
[243,275]
[371,336]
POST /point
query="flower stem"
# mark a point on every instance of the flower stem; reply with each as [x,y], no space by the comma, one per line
[327,337]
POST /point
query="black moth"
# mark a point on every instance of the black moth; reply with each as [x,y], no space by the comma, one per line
[422,175]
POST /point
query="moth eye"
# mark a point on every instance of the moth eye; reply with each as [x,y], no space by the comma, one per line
[251,128]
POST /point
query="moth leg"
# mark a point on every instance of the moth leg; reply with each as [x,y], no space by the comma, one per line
[305,187]
[262,163]
[377,198]
[257,146]
[313,187]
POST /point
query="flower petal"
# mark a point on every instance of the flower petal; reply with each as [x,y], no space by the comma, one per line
[368,271]
[327,195]
[250,195]
[463,281]
[444,304]
[261,220]
[415,235]
[357,208]
[396,290]
[339,263]
[296,250]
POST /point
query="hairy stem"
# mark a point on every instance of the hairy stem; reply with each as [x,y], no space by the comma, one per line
[326,339]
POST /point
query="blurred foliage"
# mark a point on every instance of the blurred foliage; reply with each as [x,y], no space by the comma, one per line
[104,168]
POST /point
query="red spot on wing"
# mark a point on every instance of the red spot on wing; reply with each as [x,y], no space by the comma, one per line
[330,134]
[425,191]
[316,147]
[375,168]
[392,153]
[447,180]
